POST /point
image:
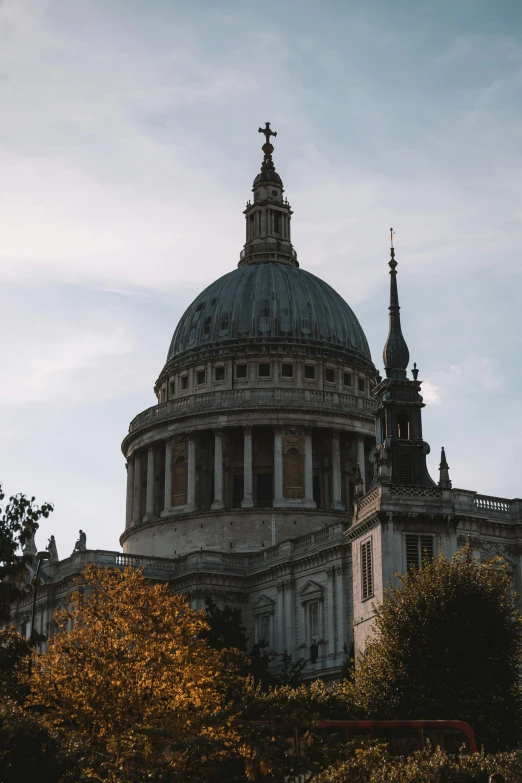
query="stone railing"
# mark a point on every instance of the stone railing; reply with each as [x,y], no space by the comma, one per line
[169,568]
[252,398]
[425,493]
[487,504]
[470,503]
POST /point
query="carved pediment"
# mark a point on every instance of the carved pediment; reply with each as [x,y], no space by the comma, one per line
[311,591]
[263,604]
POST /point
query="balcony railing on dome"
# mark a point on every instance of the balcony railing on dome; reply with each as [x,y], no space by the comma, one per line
[253,398]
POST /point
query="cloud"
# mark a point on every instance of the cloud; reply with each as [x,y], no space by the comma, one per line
[126,158]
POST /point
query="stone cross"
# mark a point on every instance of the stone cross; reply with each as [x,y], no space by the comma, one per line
[267,131]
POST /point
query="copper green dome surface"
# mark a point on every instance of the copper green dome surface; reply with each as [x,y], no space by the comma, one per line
[267,302]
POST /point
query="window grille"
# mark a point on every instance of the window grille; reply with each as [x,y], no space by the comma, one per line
[418,548]
[367,569]
[404,467]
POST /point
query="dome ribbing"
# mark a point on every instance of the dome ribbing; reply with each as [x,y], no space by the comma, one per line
[268,301]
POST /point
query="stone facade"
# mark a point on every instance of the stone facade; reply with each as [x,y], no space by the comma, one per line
[277,472]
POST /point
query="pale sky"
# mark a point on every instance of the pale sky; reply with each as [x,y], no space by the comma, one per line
[128,146]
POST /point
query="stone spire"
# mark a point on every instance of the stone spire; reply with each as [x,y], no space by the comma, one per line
[268,215]
[395,355]
[444,479]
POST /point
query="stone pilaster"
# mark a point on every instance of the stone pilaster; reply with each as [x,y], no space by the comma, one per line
[337,505]
[136,506]
[191,482]
[218,504]
[130,491]
[247,501]
[167,500]
[149,499]
[308,468]
[278,467]
[361,459]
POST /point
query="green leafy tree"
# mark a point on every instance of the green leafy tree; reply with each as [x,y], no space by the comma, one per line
[447,646]
[18,522]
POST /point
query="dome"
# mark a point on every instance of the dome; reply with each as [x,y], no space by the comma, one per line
[266,302]
[267,175]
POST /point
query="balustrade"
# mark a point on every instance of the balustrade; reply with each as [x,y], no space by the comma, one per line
[239,398]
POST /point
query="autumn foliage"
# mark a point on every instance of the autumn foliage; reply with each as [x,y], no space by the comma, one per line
[135,678]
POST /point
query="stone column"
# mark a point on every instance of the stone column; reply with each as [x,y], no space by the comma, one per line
[340,608]
[130,491]
[191,480]
[361,459]
[247,501]
[278,467]
[308,470]
[218,504]
[149,500]
[336,472]
[280,644]
[167,501]
[330,610]
[136,505]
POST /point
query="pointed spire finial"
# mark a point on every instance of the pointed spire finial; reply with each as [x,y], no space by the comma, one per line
[359,483]
[444,479]
[395,355]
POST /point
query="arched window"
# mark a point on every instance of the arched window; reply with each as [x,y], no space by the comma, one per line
[403,426]
[293,474]
[179,483]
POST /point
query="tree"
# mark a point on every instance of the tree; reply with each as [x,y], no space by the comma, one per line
[225,628]
[447,646]
[18,523]
[15,650]
[137,681]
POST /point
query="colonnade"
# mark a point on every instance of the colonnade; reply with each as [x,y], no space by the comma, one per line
[139,485]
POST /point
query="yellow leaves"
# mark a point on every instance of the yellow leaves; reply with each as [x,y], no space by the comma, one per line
[134,665]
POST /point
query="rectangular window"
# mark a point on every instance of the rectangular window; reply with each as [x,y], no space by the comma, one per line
[313,620]
[310,372]
[172,387]
[418,548]
[220,373]
[206,325]
[184,381]
[362,385]
[264,370]
[241,371]
[287,370]
[366,569]
[329,375]
[277,222]
[347,379]
[264,628]
[200,377]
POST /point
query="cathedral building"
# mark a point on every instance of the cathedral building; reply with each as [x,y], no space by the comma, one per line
[277,472]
